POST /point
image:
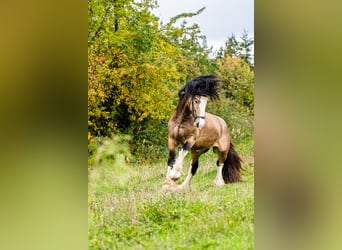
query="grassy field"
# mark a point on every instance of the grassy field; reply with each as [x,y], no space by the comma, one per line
[127,208]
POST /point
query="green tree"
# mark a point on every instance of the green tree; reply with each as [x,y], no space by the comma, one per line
[232,48]
[245,48]
[193,46]
[235,48]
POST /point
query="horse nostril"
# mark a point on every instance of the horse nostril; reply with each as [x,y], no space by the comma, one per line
[197,124]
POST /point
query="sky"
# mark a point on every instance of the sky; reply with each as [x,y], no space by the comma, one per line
[219,20]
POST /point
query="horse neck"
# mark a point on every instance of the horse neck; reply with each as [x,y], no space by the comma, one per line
[183,112]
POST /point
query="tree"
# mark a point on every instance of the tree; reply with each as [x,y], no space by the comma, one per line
[245,48]
[193,46]
[235,48]
[239,82]
[132,74]
[232,48]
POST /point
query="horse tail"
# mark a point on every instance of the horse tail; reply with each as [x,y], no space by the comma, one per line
[232,166]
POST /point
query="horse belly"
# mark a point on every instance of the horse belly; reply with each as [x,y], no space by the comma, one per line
[205,143]
[207,138]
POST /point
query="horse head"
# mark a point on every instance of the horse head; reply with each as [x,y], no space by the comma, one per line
[196,93]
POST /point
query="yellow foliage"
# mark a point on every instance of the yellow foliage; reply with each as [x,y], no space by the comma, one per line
[147,98]
[240,81]
[134,73]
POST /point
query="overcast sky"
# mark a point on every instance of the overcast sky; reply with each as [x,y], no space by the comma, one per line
[220,19]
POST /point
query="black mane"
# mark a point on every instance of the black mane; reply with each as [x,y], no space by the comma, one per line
[204,85]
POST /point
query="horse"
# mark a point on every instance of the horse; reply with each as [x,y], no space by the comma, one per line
[198,131]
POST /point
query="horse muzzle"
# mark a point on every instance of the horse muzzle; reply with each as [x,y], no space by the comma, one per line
[199,122]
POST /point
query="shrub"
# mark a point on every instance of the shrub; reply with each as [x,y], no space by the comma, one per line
[108,159]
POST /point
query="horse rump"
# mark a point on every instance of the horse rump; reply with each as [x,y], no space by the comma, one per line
[232,166]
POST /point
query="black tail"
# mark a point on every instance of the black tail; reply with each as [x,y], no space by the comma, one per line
[232,166]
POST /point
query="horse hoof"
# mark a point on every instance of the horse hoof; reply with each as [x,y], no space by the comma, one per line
[219,183]
[166,188]
[174,176]
[170,187]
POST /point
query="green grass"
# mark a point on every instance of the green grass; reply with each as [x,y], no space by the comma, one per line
[132,212]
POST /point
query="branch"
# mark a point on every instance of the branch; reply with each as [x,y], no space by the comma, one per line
[100,26]
[184,15]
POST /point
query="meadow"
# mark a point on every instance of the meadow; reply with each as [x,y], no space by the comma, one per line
[136,66]
[127,208]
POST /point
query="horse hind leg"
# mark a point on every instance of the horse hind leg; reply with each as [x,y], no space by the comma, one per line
[219,181]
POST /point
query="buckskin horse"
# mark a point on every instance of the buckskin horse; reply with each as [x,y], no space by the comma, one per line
[198,131]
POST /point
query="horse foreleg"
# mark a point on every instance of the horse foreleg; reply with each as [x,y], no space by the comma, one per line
[192,170]
[171,161]
[175,172]
[172,155]
[191,173]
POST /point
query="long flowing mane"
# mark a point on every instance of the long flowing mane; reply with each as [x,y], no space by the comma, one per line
[205,85]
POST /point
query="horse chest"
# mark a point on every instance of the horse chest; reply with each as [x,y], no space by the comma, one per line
[182,133]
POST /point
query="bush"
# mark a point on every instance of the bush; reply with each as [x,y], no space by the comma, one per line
[109,152]
[108,160]
[238,82]
[149,142]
